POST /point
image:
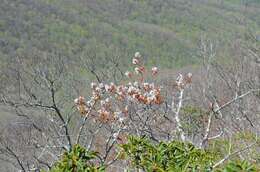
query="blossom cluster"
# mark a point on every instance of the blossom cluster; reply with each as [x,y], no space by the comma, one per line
[139,68]
[108,94]
[183,81]
[110,101]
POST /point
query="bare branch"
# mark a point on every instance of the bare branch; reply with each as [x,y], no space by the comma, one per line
[232,154]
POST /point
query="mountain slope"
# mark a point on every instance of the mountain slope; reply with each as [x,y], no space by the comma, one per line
[167,31]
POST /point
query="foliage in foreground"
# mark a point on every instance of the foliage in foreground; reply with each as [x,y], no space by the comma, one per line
[243,166]
[174,156]
[78,160]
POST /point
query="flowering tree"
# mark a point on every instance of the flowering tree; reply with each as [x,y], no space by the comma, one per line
[136,106]
[139,105]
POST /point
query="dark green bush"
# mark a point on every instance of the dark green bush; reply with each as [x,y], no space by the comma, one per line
[176,156]
[243,166]
[172,156]
[78,160]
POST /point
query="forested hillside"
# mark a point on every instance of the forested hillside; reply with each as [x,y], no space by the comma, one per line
[167,32]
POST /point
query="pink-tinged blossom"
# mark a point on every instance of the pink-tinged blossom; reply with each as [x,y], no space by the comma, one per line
[112,87]
[104,116]
[188,78]
[97,89]
[135,61]
[135,96]
[128,74]
[179,81]
[154,70]
[189,75]
[93,85]
[107,87]
[81,100]
[140,70]
[81,106]
[149,100]
[95,95]
[146,86]
[130,89]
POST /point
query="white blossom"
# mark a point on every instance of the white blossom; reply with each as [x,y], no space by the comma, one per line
[93,85]
[76,101]
[135,61]
[137,55]
[128,74]
[154,70]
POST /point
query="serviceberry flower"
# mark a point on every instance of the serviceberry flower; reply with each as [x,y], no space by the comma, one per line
[128,74]
[81,105]
[76,101]
[109,101]
[189,75]
[137,70]
[102,103]
[101,86]
[93,85]
[180,81]
[136,84]
[135,61]
[154,70]
[80,100]
[104,115]
[137,55]
[188,78]
[146,86]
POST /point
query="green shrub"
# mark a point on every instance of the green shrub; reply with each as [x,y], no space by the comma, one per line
[176,156]
[243,166]
[78,160]
[173,156]
[142,153]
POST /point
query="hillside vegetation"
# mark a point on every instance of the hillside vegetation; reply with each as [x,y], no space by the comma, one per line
[167,32]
